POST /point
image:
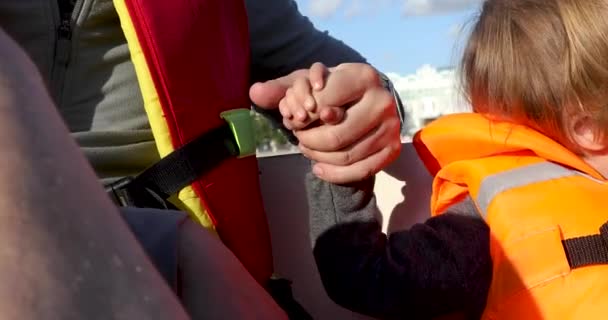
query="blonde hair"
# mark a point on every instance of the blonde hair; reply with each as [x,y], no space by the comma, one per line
[536,62]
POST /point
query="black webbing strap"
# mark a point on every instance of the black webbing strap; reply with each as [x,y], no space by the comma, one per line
[588,250]
[177,170]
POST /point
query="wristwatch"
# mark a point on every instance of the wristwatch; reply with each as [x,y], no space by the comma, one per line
[388,85]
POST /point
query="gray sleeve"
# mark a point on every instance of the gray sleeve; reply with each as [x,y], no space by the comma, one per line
[332,204]
[283,40]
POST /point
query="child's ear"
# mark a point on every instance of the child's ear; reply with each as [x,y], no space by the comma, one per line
[585,134]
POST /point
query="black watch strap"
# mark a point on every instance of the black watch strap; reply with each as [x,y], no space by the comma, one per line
[388,84]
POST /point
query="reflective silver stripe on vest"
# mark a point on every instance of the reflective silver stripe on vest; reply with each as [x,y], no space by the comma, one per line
[493,185]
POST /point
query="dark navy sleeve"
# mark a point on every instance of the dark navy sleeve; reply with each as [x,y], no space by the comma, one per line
[283,40]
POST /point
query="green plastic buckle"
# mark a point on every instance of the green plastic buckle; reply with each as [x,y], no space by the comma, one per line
[242,128]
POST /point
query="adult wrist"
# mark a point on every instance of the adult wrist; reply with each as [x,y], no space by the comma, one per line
[388,85]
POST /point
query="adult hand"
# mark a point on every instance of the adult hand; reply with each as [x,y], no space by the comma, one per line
[364,142]
[368,138]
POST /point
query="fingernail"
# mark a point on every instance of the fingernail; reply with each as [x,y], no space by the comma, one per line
[317,85]
[317,171]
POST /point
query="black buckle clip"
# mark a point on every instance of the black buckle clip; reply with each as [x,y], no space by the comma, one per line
[117,191]
[124,194]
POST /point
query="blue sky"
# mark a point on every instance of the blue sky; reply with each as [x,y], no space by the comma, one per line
[396,35]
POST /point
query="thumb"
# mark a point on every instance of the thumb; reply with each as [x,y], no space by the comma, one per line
[267,95]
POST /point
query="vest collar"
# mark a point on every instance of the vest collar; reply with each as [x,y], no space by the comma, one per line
[469,136]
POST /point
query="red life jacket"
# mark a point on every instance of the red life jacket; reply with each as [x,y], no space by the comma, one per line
[192,63]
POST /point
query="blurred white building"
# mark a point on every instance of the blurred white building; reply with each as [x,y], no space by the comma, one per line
[428,94]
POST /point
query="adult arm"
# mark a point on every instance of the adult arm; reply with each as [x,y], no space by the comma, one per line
[283,40]
[282,43]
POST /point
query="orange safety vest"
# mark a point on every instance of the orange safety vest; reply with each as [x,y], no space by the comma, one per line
[192,63]
[544,206]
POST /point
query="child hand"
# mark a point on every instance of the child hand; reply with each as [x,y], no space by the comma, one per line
[299,107]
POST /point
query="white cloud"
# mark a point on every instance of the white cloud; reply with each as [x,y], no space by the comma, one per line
[324,8]
[429,7]
[352,8]
[348,8]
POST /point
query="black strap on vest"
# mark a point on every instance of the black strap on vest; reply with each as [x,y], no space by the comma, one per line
[588,250]
[177,170]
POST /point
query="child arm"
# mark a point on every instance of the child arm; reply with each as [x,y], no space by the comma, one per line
[438,267]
